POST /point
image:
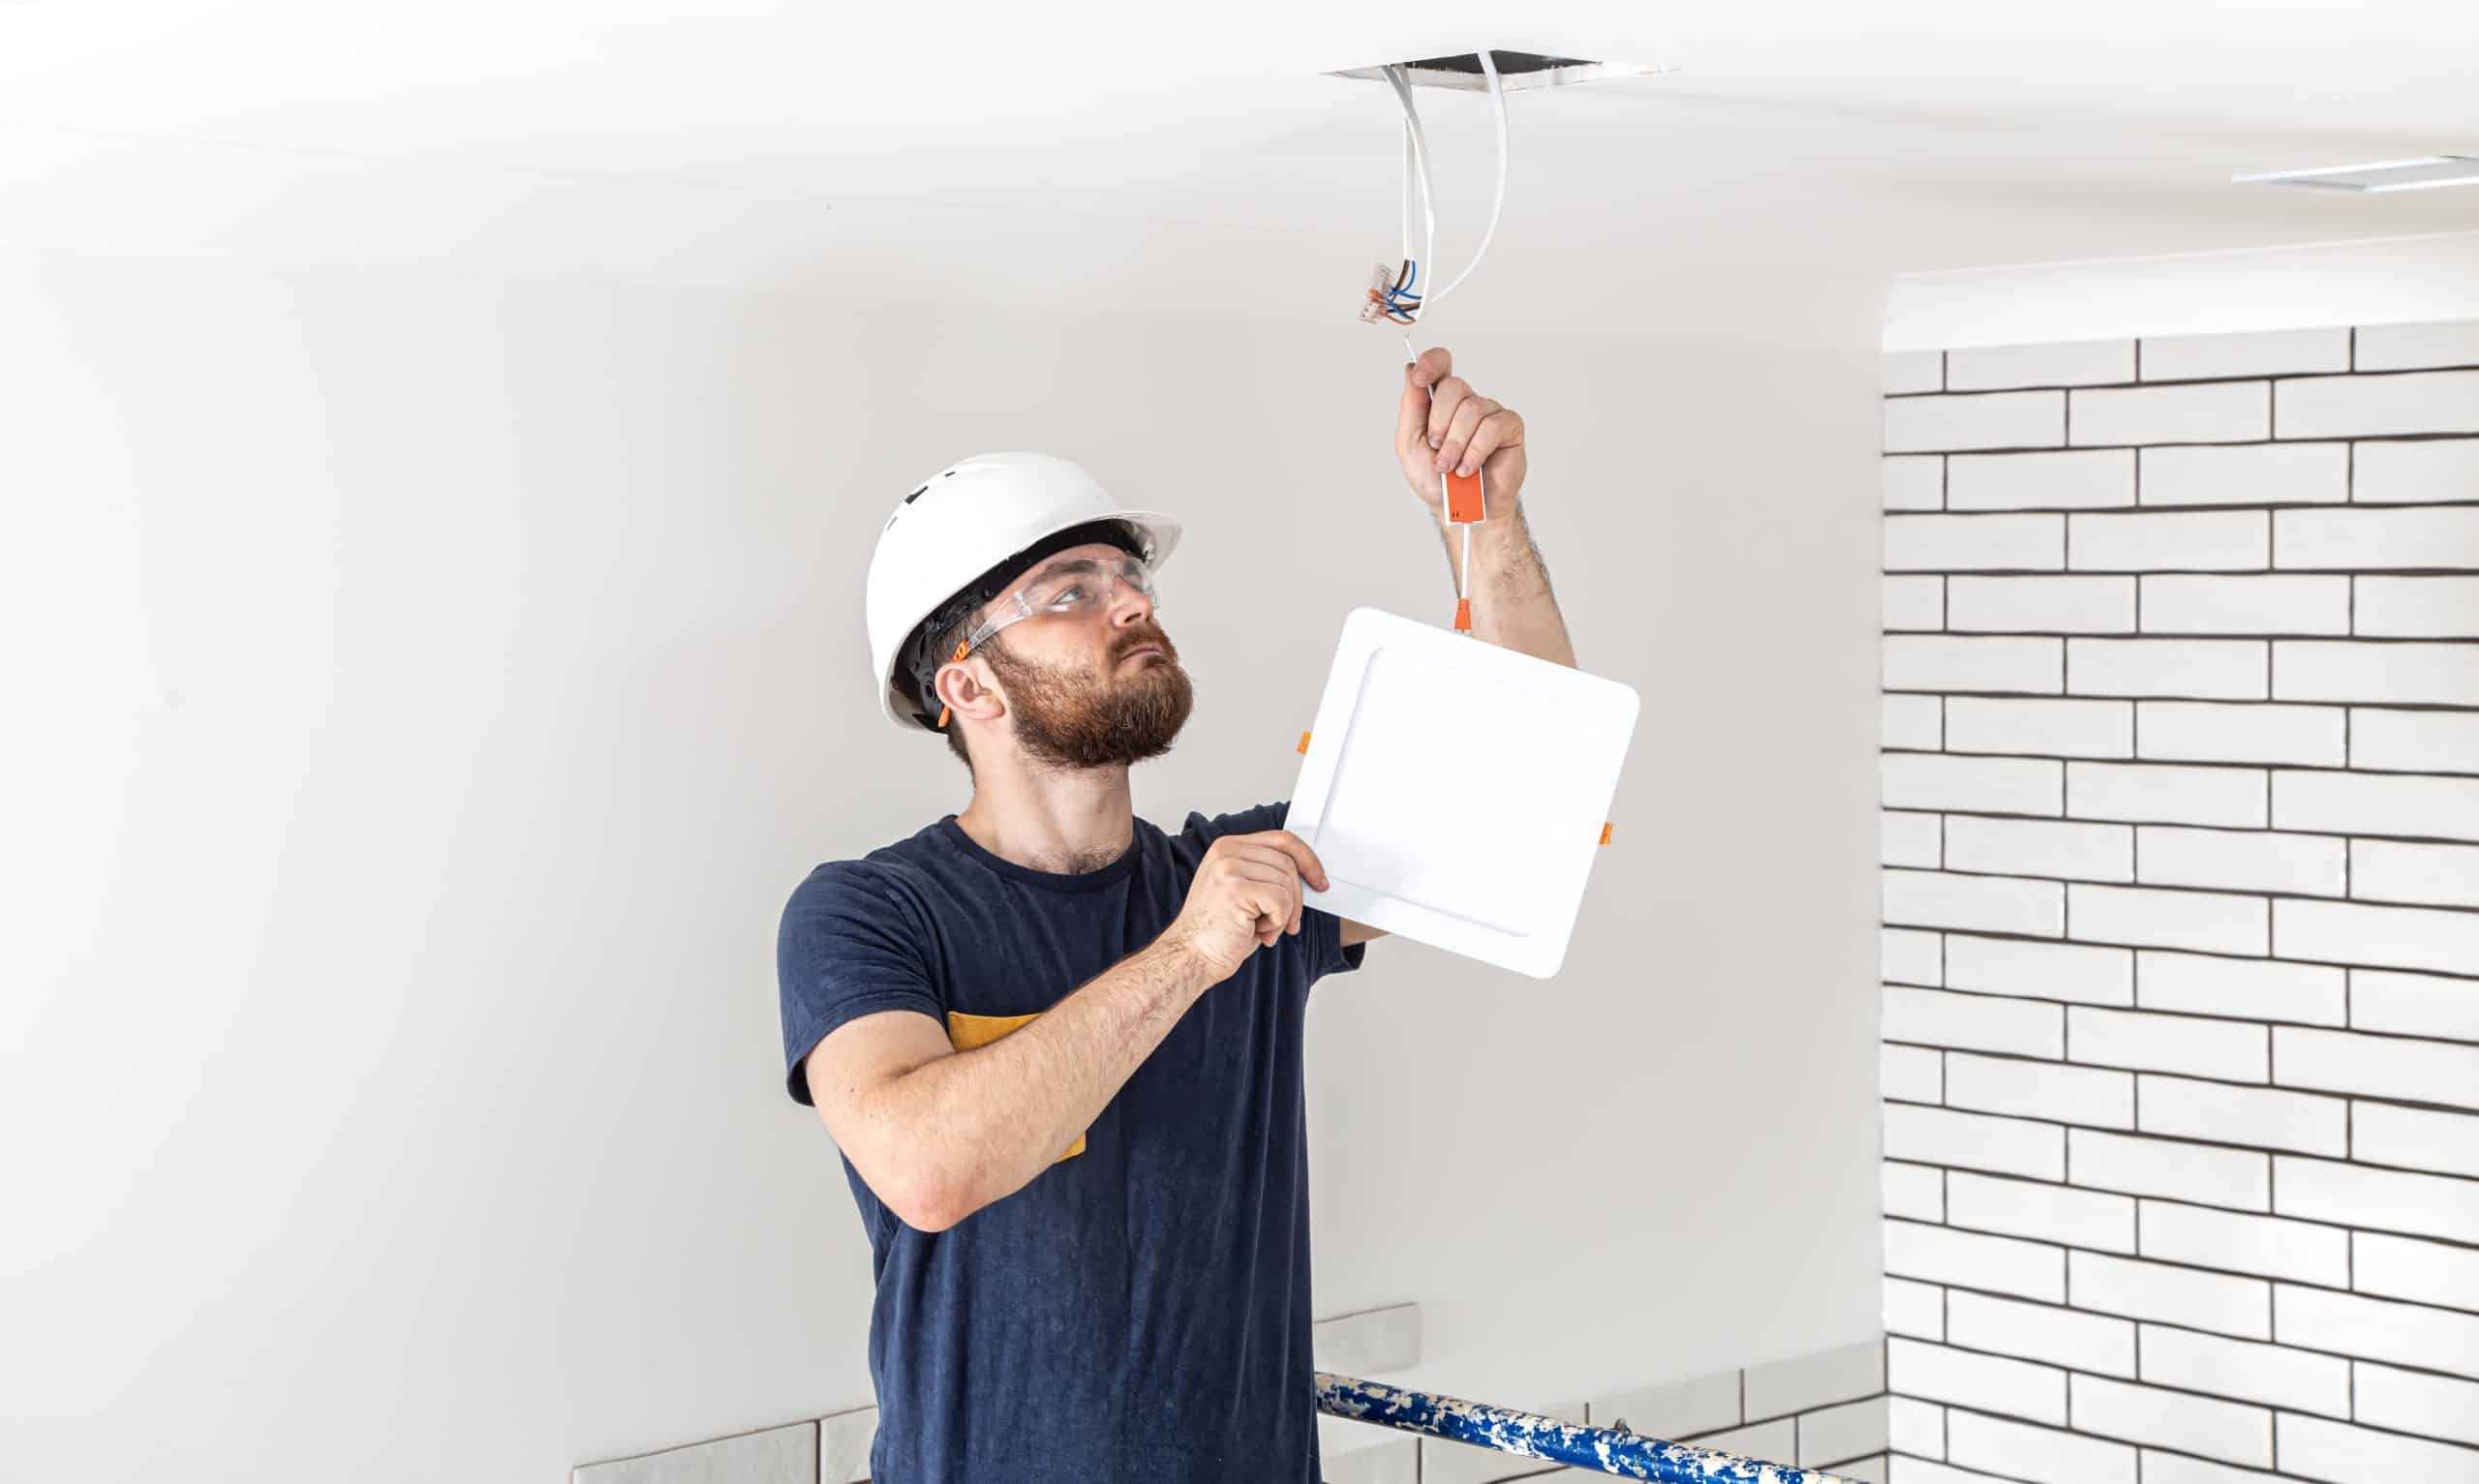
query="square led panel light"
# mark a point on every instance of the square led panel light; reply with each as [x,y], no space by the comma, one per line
[1456,789]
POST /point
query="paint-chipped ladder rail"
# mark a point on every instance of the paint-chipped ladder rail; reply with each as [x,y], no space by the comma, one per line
[1529,1434]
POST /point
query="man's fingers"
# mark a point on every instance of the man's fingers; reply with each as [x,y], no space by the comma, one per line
[1412,418]
[1294,850]
[1273,892]
[1445,398]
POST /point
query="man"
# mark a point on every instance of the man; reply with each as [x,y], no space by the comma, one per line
[1058,1049]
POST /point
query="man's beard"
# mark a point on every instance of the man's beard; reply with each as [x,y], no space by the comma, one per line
[1074,718]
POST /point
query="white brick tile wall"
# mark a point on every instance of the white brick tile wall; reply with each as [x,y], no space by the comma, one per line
[2207,921]
[2001,785]
[1830,1435]
[2376,803]
[1923,371]
[1915,483]
[2238,1179]
[1914,604]
[2414,1004]
[1913,1192]
[2240,860]
[1964,543]
[2373,406]
[2050,971]
[2400,672]
[2246,1369]
[2014,1146]
[1672,1410]
[2247,354]
[2416,607]
[1988,903]
[2050,605]
[2082,479]
[2232,1431]
[2068,363]
[2220,732]
[2066,1337]
[2219,1113]
[1915,1426]
[2422,1272]
[2377,1329]
[2014,1388]
[2415,1401]
[1908,956]
[2032,1089]
[2385,937]
[2408,473]
[2213,413]
[2041,847]
[1986,420]
[2376,1066]
[1775,1441]
[2174,603]
[2398,1200]
[1816,1379]
[2220,1302]
[1941,1255]
[2245,474]
[2370,539]
[2317,1448]
[2200,1236]
[1917,722]
[1912,1074]
[2228,1051]
[1915,1309]
[2168,793]
[2212,669]
[1905,838]
[2053,728]
[2415,1137]
[2253,780]
[2159,1467]
[2037,1455]
[1944,662]
[2040,1210]
[1913,1470]
[2207,984]
[2171,540]
[2411,346]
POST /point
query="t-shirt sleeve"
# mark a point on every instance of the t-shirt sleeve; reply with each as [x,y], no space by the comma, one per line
[1320,933]
[845,949]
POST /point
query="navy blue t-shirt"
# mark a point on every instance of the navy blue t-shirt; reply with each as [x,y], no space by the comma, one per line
[1140,1309]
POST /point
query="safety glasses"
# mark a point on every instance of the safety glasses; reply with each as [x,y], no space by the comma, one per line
[1073,587]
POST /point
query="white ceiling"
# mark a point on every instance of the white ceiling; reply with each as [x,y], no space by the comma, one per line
[1195,159]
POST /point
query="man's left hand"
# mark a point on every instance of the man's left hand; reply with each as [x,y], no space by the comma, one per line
[1445,425]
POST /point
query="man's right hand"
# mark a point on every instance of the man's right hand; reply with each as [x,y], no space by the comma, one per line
[1245,896]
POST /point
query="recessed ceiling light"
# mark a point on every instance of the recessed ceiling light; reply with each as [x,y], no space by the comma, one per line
[1515,70]
[2422,175]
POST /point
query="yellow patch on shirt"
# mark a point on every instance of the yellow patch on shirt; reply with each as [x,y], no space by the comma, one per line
[970,1031]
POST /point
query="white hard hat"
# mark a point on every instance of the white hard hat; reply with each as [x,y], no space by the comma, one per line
[962,521]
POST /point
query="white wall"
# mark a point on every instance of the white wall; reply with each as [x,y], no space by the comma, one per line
[435,685]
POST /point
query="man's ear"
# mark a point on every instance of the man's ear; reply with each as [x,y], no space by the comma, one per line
[968,689]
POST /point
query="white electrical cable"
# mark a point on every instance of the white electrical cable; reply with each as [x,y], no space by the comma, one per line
[1489,65]
[1417,151]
